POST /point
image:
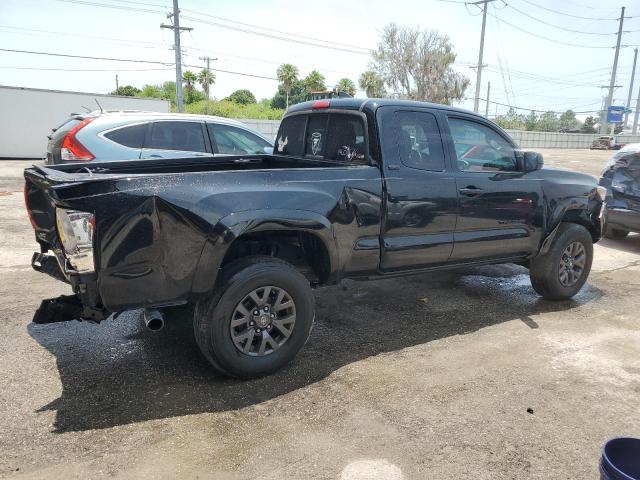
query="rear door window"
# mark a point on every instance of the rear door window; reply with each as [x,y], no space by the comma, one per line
[233,140]
[131,136]
[419,140]
[290,139]
[183,136]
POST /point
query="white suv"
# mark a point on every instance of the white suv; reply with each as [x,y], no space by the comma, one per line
[118,135]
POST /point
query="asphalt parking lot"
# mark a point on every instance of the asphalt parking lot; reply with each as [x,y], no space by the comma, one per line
[457,375]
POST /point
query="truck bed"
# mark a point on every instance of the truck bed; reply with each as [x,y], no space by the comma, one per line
[189,165]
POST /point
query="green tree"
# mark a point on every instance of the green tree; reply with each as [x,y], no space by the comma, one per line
[568,120]
[418,64]
[531,122]
[297,94]
[589,125]
[243,97]
[347,86]
[548,122]
[166,91]
[315,82]
[372,84]
[512,120]
[206,78]
[287,76]
[189,79]
[126,91]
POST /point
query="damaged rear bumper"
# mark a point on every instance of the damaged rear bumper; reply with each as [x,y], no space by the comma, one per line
[85,304]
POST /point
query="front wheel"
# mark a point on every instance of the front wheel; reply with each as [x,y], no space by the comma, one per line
[562,271]
[257,320]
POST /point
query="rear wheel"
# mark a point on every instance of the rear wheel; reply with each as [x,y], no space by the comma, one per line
[258,318]
[562,271]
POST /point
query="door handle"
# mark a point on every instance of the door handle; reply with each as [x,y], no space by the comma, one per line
[470,191]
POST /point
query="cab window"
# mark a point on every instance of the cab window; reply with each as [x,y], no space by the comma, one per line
[480,148]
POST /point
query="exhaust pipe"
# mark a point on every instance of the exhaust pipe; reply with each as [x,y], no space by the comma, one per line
[153,319]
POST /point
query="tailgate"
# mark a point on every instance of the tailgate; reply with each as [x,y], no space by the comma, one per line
[41,197]
[40,206]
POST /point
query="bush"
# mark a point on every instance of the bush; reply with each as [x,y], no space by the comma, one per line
[226,108]
[243,97]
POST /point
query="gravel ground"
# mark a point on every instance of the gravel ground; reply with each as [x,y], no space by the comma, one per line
[456,375]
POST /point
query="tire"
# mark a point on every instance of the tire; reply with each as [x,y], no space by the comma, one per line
[615,233]
[213,317]
[546,273]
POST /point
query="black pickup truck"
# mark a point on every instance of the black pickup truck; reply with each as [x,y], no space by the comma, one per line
[355,188]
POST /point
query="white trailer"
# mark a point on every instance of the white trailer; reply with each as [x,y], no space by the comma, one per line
[27,115]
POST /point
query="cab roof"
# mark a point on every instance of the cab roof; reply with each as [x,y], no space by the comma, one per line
[372,104]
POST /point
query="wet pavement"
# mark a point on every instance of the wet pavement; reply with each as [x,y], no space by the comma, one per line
[464,374]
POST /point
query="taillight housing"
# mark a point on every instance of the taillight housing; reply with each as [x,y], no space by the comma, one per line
[75,231]
[72,150]
[26,204]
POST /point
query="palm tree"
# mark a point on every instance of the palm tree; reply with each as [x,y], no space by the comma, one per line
[206,77]
[314,82]
[347,86]
[372,84]
[189,78]
[287,76]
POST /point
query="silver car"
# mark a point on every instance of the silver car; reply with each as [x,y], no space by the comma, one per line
[131,135]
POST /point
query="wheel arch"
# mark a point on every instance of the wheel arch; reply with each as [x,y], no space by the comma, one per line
[265,227]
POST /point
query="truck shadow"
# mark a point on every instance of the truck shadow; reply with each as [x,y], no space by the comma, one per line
[119,373]
[630,244]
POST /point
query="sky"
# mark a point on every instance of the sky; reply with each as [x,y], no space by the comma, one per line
[535,57]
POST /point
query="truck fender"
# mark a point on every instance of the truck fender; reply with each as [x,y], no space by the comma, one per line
[236,224]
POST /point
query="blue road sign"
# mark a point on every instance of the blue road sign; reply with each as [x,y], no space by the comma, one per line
[615,114]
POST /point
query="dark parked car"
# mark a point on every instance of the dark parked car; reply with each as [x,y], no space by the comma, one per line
[131,135]
[621,178]
[356,188]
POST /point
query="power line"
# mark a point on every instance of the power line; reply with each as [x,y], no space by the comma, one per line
[116,41]
[133,61]
[565,13]
[116,7]
[558,26]
[345,45]
[46,69]
[299,39]
[539,111]
[276,37]
[110,59]
[546,38]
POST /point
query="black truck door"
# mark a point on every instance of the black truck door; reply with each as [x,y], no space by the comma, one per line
[500,210]
[421,197]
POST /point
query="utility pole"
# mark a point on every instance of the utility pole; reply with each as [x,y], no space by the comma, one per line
[633,76]
[635,115]
[177,29]
[486,109]
[118,87]
[207,59]
[603,122]
[476,99]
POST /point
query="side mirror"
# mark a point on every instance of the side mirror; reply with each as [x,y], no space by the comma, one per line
[531,161]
